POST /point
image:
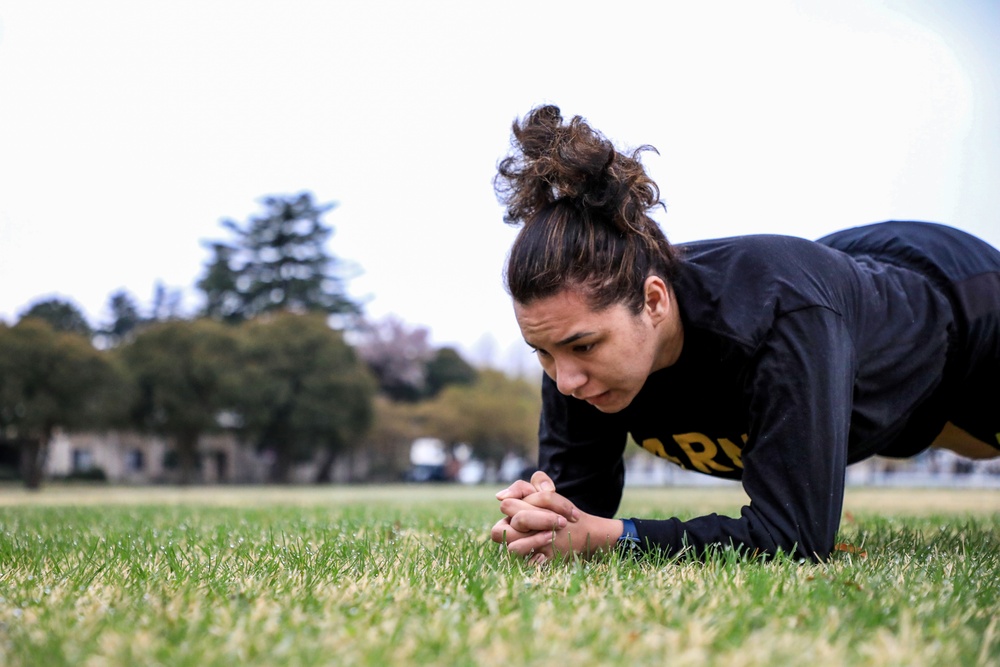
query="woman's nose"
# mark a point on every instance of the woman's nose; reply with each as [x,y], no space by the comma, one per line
[569,378]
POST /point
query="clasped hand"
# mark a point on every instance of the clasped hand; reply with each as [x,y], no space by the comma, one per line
[539,523]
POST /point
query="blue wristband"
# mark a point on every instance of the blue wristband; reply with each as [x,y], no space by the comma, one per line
[630,537]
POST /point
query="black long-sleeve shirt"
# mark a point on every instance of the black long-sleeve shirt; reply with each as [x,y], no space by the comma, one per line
[798,359]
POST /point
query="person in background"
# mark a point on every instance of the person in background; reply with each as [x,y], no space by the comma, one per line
[769,359]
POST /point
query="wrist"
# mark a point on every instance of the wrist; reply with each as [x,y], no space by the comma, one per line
[600,534]
[629,537]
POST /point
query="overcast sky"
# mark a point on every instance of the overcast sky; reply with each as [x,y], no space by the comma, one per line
[129,129]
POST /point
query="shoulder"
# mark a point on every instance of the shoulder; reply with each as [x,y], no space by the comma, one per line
[757,254]
[738,286]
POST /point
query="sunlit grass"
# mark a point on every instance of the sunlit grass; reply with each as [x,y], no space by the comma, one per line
[406,575]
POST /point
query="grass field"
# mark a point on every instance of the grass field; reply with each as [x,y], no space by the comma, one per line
[406,575]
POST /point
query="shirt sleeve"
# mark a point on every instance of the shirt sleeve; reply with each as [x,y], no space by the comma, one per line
[581,449]
[800,391]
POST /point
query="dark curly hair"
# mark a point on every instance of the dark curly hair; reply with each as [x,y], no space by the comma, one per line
[584,209]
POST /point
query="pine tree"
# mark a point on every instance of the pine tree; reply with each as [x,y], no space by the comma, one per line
[277,262]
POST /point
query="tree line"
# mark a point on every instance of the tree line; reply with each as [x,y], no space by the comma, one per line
[277,354]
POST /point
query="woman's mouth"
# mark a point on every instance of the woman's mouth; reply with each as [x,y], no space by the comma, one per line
[598,399]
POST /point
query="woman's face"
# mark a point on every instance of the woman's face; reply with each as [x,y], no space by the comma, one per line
[602,357]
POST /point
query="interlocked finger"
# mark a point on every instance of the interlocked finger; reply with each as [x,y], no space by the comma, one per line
[533,545]
[503,533]
[550,502]
[533,520]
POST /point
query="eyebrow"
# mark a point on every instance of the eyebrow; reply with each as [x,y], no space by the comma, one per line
[569,339]
[575,337]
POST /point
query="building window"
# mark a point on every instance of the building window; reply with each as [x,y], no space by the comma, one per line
[83,460]
[134,460]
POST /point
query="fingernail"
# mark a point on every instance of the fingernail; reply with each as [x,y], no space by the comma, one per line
[502,494]
[546,486]
[575,515]
[561,522]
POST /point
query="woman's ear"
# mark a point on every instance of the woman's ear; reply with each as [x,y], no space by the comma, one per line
[658,303]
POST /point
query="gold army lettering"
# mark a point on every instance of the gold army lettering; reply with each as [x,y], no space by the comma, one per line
[703,453]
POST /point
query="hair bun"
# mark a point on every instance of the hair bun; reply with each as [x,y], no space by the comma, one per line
[554,161]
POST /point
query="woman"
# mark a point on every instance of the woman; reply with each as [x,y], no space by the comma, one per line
[770,359]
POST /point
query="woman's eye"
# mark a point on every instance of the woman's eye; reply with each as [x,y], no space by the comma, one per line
[583,348]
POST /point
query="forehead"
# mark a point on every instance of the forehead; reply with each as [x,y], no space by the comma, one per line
[566,313]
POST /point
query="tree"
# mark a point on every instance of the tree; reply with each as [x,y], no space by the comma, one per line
[495,415]
[278,261]
[61,315]
[48,379]
[125,319]
[397,355]
[220,286]
[166,304]
[305,391]
[447,367]
[184,374]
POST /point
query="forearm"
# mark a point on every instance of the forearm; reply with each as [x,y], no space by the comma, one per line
[699,536]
